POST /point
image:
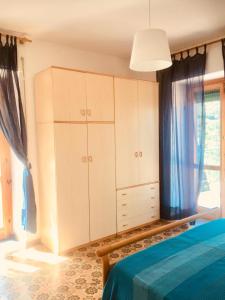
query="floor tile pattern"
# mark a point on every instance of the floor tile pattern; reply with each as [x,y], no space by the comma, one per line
[37,274]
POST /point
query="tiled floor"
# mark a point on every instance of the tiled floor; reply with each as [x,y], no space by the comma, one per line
[37,274]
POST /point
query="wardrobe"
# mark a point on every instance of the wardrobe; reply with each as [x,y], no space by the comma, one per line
[97,155]
[137,156]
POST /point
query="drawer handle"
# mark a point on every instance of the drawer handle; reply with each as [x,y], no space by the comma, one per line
[140,154]
[125,225]
[152,188]
[152,197]
[153,217]
[124,215]
[124,204]
[152,206]
[136,154]
[124,194]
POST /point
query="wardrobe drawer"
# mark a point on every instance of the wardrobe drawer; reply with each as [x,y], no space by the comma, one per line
[136,221]
[123,225]
[125,195]
[140,194]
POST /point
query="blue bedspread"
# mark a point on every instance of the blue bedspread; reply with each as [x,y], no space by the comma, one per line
[190,266]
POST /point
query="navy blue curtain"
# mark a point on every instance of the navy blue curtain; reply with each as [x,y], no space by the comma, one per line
[12,124]
[223,52]
[182,135]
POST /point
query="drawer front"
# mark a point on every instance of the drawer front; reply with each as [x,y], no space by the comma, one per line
[135,221]
[141,192]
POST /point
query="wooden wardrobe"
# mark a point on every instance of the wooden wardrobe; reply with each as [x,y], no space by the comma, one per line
[98,155]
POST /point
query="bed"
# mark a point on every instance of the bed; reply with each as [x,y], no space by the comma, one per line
[190,266]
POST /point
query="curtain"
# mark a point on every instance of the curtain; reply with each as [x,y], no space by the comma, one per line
[12,124]
[182,135]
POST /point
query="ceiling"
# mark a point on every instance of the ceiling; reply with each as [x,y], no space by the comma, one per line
[108,26]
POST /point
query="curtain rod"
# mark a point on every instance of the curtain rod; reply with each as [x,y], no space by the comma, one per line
[21,39]
[209,42]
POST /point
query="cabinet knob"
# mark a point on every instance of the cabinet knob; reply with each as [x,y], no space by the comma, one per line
[90,159]
[89,112]
[124,204]
[136,154]
[124,215]
[82,112]
[84,159]
[140,153]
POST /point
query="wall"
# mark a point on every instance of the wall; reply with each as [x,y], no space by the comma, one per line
[214,63]
[39,55]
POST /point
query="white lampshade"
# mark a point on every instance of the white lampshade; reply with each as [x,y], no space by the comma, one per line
[150,51]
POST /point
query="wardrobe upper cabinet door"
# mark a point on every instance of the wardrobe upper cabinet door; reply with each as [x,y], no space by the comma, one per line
[100,98]
[102,187]
[148,131]
[72,185]
[126,120]
[69,96]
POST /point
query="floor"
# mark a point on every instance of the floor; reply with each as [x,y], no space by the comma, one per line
[37,274]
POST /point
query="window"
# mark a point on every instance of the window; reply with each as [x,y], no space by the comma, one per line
[210,187]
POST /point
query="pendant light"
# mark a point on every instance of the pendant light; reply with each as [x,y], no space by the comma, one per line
[150,50]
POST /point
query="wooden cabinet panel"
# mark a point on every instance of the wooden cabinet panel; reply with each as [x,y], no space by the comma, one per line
[126,118]
[148,131]
[47,186]
[100,98]
[69,95]
[43,97]
[102,190]
[72,184]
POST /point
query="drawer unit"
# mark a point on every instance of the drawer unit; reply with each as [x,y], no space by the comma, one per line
[136,206]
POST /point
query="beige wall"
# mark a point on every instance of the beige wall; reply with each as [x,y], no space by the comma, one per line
[40,55]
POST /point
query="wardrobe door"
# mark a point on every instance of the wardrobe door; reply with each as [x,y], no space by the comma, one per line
[69,95]
[148,131]
[100,98]
[101,150]
[126,119]
[72,185]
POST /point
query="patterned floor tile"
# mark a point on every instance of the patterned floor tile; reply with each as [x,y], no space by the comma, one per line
[37,274]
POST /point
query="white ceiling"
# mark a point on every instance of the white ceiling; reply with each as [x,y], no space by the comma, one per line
[108,26]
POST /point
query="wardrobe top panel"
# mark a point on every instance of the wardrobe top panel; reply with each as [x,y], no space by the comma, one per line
[97,73]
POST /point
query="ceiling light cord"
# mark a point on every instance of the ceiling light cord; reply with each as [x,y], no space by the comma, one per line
[149,14]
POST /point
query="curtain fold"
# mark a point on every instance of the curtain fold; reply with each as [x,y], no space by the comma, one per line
[223,52]
[12,123]
[182,135]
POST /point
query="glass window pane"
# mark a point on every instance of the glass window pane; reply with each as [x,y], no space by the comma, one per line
[210,189]
[212,133]
[210,186]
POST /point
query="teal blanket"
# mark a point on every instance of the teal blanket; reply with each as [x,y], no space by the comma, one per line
[190,266]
